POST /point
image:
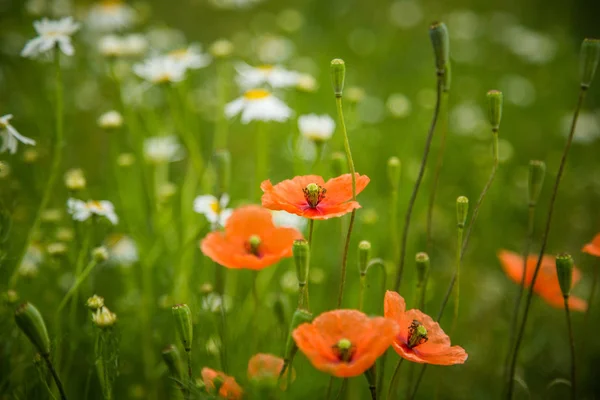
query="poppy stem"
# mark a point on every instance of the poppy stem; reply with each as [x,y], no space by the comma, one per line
[220,287]
[572,346]
[220,140]
[329,386]
[55,376]
[460,231]
[394,380]
[394,234]
[345,260]
[262,153]
[340,113]
[376,262]
[413,196]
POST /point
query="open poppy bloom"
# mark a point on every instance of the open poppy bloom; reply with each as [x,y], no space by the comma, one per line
[311,197]
[593,248]
[546,284]
[250,240]
[229,389]
[420,338]
[264,369]
[345,343]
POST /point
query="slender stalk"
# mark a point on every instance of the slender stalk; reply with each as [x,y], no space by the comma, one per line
[311,225]
[220,140]
[59,384]
[413,196]
[460,230]
[220,287]
[361,291]
[572,346]
[345,260]
[78,281]
[262,154]
[189,364]
[343,387]
[54,169]
[190,141]
[394,380]
[329,387]
[563,161]
[394,234]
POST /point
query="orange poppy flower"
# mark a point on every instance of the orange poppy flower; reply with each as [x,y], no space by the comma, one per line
[311,197]
[250,240]
[229,390]
[546,284]
[345,343]
[593,248]
[265,369]
[420,339]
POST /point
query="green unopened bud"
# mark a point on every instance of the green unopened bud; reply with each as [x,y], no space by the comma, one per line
[223,170]
[301,252]
[300,317]
[10,297]
[338,74]
[462,210]
[537,172]
[183,322]
[590,56]
[438,33]
[364,255]
[564,271]
[394,167]
[30,321]
[100,254]
[494,98]
[338,163]
[172,359]
[95,302]
[446,82]
[422,261]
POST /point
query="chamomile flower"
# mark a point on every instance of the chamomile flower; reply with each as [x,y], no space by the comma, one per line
[318,128]
[10,136]
[160,69]
[258,105]
[163,149]
[213,209]
[110,120]
[82,210]
[191,57]
[273,75]
[51,34]
[122,250]
[111,15]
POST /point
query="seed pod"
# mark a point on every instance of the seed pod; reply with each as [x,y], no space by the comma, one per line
[30,321]
[300,317]
[537,171]
[438,33]
[301,252]
[364,255]
[462,210]
[183,322]
[422,261]
[494,98]
[564,271]
[172,359]
[338,74]
[590,55]
[394,167]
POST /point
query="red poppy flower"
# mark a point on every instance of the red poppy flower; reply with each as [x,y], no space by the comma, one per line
[311,197]
[593,248]
[265,369]
[546,284]
[345,343]
[250,240]
[420,339]
[229,390]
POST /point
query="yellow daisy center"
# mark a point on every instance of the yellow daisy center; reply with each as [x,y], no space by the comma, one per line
[256,94]
[179,53]
[215,207]
[265,68]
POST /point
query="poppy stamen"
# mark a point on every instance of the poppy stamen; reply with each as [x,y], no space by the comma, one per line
[344,349]
[417,334]
[313,194]
[253,244]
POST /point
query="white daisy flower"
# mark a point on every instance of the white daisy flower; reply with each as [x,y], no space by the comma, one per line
[110,120]
[191,57]
[273,75]
[213,209]
[288,220]
[258,105]
[110,15]
[160,69]
[10,136]
[162,149]
[51,33]
[318,128]
[82,210]
[122,250]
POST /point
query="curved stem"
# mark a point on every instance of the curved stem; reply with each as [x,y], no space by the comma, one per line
[345,260]
[78,281]
[457,272]
[563,162]
[59,384]
[340,112]
[393,381]
[220,288]
[572,346]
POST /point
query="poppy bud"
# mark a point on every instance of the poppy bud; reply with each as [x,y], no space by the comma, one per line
[462,210]
[338,163]
[338,73]
[301,258]
[422,260]
[183,321]
[537,171]
[223,170]
[95,302]
[394,168]
[438,33]
[447,79]
[564,271]
[494,98]
[300,317]
[364,255]
[172,359]
[30,321]
[590,55]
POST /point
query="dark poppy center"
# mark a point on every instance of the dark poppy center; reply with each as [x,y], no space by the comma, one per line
[344,350]
[253,244]
[313,194]
[417,334]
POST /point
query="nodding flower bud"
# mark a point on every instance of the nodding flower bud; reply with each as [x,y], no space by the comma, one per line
[537,171]
[338,163]
[338,74]
[590,55]
[172,359]
[300,317]
[394,167]
[564,271]
[462,210]
[75,179]
[447,80]
[301,253]
[494,98]
[364,255]
[30,321]
[422,260]
[103,318]
[183,321]
[438,33]
[100,254]
[95,302]
[223,170]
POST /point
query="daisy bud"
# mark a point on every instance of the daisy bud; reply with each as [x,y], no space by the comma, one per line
[125,160]
[364,255]
[206,288]
[75,179]
[590,55]
[338,163]
[462,210]
[438,33]
[10,297]
[172,359]
[301,252]
[223,170]
[95,302]
[100,254]
[183,321]
[564,271]
[394,168]
[300,317]
[30,321]
[422,260]
[221,48]
[537,171]
[494,108]
[110,120]
[104,318]
[338,74]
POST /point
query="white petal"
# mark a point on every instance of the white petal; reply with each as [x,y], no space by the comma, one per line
[65,46]
[234,107]
[224,200]
[224,216]
[18,136]
[203,204]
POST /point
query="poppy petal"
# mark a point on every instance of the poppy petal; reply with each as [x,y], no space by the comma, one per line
[593,247]
[339,189]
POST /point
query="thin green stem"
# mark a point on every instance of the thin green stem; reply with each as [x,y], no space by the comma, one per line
[340,113]
[394,234]
[343,387]
[262,154]
[572,346]
[189,364]
[329,387]
[188,137]
[563,162]
[59,384]
[394,380]
[361,291]
[460,230]
[345,260]
[78,281]
[311,225]
[220,287]
[220,140]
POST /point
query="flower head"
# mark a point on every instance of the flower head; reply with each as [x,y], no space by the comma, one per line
[258,105]
[318,128]
[546,284]
[110,15]
[111,45]
[104,318]
[161,69]
[593,247]
[122,250]
[213,209]
[162,149]
[82,210]
[51,33]
[264,369]
[250,240]
[311,197]
[229,389]
[345,343]
[191,57]
[10,136]
[420,338]
[273,75]
[110,120]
